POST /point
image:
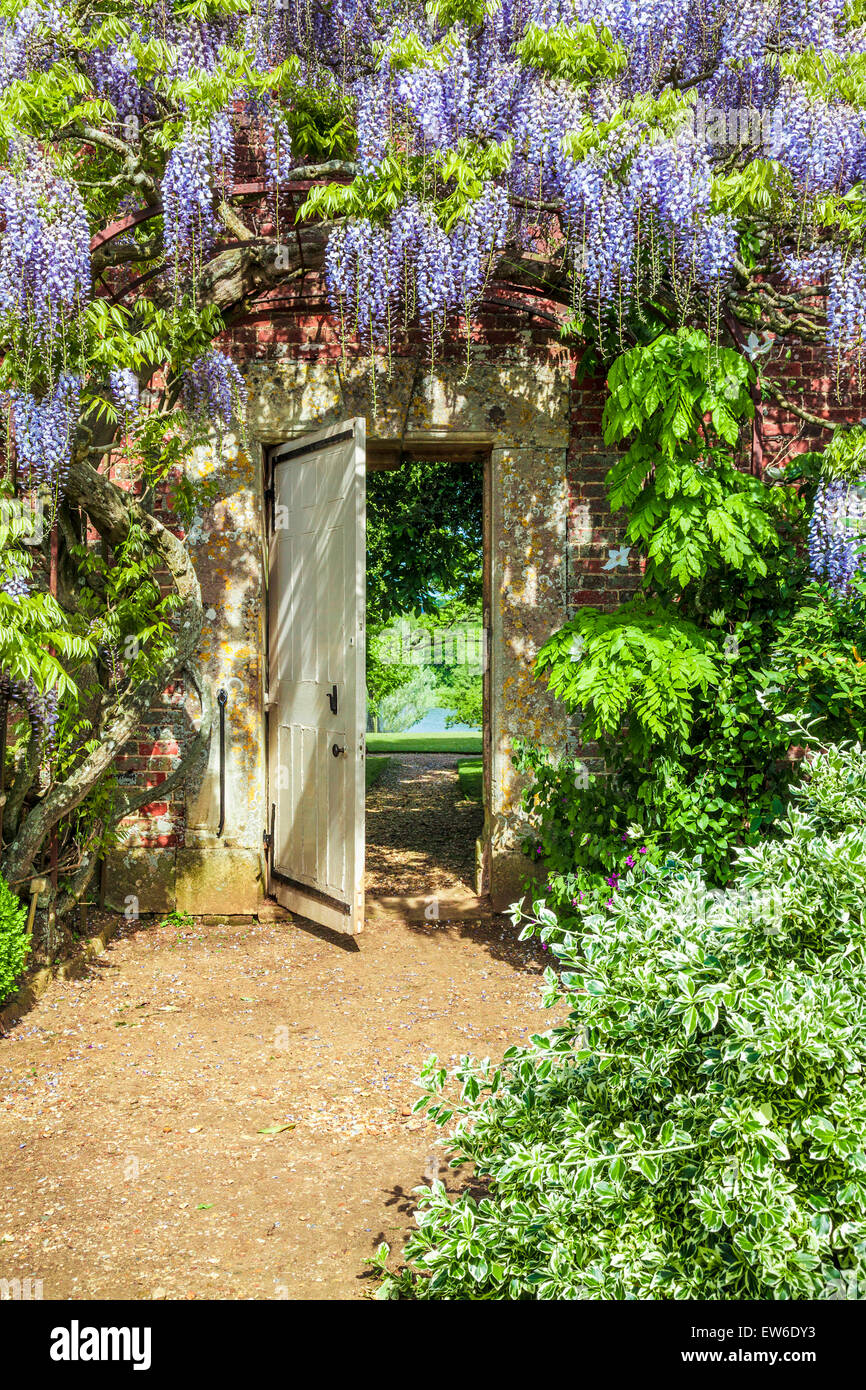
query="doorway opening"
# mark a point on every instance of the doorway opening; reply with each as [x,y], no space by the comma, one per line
[427,767]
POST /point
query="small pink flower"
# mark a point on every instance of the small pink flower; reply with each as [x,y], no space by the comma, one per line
[610,902]
[630,862]
[642,849]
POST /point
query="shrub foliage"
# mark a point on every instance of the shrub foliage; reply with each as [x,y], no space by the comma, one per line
[695,1128]
[14,944]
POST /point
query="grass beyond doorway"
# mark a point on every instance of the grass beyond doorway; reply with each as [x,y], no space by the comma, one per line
[471,774]
[424,743]
[373,769]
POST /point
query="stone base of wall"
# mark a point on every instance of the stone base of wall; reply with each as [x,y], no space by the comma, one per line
[139,881]
[198,879]
[508,874]
[218,878]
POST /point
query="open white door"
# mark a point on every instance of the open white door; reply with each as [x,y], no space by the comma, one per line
[317,679]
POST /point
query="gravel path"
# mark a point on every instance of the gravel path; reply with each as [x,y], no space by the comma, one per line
[421,833]
[226,1111]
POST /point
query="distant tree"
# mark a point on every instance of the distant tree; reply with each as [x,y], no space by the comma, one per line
[424,537]
[409,703]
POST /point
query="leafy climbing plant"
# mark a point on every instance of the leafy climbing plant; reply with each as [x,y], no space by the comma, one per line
[680,402]
[684,688]
[641,665]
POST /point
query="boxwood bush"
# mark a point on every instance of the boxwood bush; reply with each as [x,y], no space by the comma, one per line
[696,1129]
[14,944]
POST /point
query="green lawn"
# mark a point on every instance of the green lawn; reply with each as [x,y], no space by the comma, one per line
[373,769]
[424,743]
[471,774]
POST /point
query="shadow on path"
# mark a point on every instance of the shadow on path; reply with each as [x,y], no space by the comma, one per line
[421,833]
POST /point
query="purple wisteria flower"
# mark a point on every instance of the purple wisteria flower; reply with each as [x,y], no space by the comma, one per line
[213,390]
[43,431]
[123,384]
[837,533]
[44,249]
[374,273]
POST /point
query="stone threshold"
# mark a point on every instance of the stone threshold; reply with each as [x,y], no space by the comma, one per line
[433,908]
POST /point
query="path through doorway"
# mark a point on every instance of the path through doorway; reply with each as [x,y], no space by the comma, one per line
[428,611]
[421,829]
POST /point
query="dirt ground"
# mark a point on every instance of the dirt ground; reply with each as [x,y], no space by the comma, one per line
[136,1103]
[421,831]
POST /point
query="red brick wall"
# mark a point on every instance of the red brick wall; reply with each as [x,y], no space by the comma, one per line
[807,379]
[592,532]
[156,750]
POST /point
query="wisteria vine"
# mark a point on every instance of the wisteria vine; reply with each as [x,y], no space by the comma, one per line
[837,533]
[605,135]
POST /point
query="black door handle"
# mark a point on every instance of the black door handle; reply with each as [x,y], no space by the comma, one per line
[332,699]
[337,750]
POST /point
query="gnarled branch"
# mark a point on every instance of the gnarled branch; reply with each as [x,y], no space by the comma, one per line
[114,511]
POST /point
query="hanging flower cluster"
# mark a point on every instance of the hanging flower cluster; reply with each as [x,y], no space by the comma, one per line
[41,708]
[188,196]
[15,583]
[196,44]
[125,392]
[668,188]
[213,389]
[44,431]
[470,92]
[837,533]
[821,144]
[277,148]
[44,250]
[113,70]
[813,22]
[375,273]
[27,39]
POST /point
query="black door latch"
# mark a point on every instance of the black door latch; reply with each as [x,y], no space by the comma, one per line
[332,699]
[222,701]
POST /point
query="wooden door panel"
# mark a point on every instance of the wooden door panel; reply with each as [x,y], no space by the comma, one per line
[316,651]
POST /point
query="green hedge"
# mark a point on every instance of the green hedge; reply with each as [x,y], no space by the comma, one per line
[14,943]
